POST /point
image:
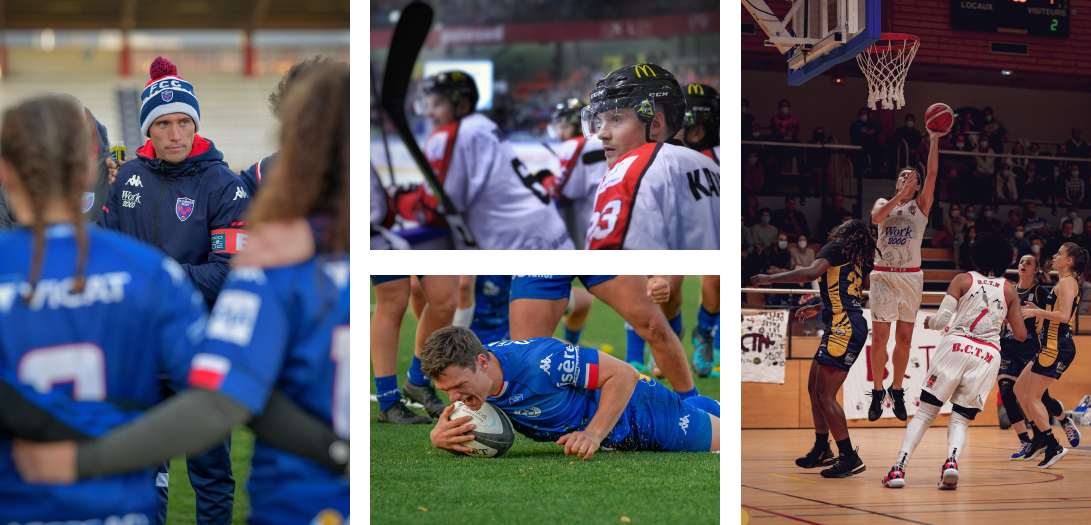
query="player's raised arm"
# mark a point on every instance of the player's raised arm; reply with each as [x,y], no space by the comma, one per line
[1015,316]
[617,380]
[927,192]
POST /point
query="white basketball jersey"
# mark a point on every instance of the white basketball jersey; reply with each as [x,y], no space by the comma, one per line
[502,203]
[981,311]
[900,237]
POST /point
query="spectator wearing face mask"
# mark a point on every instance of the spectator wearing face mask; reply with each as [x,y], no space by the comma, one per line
[802,253]
[953,223]
[968,241]
[765,234]
[1037,245]
[791,221]
[1034,224]
[994,131]
[754,133]
[817,163]
[1019,241]
[753,173]
[1074,187]
[988,222]
[864,132]
[777,258]
[1067,235]
[747,119]
[1053,189]
[1073,214]
[1007,190]
[970,214]
[907,140]
[785,128]
[1015,220]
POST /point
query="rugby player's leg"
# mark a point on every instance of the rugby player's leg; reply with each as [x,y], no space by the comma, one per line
[579,307]
[416,297]
[391,301]
[464,315]
[627,295]
[441,296]
[530,318]
[715,433]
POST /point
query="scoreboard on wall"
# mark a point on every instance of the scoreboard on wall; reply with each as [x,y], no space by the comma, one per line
[1012,17]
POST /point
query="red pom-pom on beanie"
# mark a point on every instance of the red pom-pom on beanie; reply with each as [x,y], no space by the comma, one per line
[162,67]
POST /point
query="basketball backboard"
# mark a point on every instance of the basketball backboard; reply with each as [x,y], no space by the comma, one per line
[818,34]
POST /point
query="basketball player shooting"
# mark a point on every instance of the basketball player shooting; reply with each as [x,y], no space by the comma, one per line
[968,356]
[897,282]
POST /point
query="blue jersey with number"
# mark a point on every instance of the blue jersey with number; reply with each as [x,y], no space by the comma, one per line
[491,294]
[285,329]
[137,317]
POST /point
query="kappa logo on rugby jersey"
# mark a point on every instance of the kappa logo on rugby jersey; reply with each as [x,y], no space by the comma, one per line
[545,363]
[183,208]
[134,181]
[86,201]
[684,423]
[240,194]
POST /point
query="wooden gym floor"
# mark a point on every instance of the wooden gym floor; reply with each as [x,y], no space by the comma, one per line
[991,488]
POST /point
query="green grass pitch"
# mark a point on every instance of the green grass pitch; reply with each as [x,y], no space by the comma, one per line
[181,502]
[412,482]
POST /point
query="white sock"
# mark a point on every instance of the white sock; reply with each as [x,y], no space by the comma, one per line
[464,316]
[956,434]
[926,414]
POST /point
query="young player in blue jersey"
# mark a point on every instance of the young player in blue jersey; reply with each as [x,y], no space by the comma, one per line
[538,301]
[85,314]
[565,404]
[577,397]
[285,328]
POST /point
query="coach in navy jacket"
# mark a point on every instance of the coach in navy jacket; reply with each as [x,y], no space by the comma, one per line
[177,193]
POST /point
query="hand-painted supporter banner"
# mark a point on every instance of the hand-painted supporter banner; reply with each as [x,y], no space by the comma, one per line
[859,381]
[764,347]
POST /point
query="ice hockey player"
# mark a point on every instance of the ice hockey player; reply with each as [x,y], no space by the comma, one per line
[701,125]
[583,165]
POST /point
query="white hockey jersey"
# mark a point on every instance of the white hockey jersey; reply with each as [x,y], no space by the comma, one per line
[981,311]
[658,197]
[713,153]
[504,206]
[583,165]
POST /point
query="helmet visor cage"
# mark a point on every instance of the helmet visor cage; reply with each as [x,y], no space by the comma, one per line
[595,116]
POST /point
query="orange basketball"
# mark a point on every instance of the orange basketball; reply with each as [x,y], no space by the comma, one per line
[939,117]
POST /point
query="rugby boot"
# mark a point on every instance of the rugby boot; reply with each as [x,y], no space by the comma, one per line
[845,466]
[876,410]
[898,399]
[895,479]
[399,414]
[1054,452]
[425,395]
[1071,432]
[703,358]
[817,457]
[949,475]
[1020,454]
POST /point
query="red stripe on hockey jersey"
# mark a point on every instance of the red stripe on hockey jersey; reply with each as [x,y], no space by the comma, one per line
[711,154]
[421,205]
[569,165]
[614,205]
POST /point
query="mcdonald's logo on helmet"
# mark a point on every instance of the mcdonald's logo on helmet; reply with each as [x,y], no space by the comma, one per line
[695,89]
[645,70]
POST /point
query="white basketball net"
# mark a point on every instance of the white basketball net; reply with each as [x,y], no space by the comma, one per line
[885,65]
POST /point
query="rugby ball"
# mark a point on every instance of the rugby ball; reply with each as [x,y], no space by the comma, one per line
[493,435]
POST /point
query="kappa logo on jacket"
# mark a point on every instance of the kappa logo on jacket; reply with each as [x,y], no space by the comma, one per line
[240,194]
[134,181]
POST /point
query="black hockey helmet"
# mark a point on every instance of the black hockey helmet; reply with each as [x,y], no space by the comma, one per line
[702,105]
[647,88]
[568,111]
[455,85]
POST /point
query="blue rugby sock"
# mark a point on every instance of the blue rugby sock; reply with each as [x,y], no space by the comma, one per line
[706,320]
[676,324]
[386,389]
[572,336]
[687,395]
[415,375]
[634,349]
[716,341]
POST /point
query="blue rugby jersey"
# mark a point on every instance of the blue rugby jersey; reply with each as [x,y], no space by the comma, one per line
[137,318]
[550,388]
[491,294]
[288,329]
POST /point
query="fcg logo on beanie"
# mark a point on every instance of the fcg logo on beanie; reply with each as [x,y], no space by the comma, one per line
[167,93]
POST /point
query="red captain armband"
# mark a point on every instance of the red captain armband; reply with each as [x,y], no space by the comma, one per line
[228,240]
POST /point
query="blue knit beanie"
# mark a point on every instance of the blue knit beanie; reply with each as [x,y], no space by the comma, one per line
[167,93]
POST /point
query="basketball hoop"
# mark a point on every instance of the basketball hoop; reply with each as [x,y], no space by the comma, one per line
[885,64]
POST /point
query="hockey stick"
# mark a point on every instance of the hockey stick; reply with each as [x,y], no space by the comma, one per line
[549,148]
[382,129]
[409,37]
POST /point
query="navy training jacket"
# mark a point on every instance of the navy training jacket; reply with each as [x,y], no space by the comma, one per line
[191,210]
[252,176]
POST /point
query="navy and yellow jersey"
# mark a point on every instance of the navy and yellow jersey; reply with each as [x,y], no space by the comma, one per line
[1052,331]
[1035,295]
[842,281]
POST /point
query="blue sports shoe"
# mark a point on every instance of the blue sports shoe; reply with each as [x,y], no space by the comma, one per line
[1024,446]
[1071,432]
[703,356]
